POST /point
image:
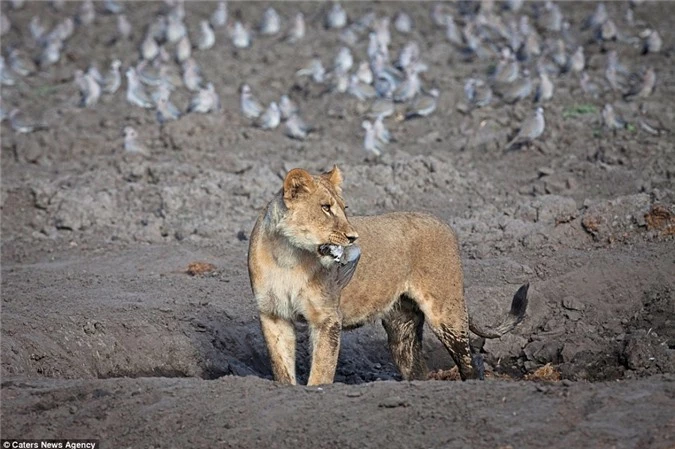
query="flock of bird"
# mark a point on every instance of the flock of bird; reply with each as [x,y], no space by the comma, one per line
[519,38]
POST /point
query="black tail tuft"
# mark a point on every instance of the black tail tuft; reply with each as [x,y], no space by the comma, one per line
[519,303]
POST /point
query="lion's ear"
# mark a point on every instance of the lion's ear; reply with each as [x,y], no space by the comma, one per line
[297,183]
[334,176]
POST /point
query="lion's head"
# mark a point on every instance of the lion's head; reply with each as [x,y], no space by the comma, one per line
[315,214]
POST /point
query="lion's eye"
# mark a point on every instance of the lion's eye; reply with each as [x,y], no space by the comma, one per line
[326,208]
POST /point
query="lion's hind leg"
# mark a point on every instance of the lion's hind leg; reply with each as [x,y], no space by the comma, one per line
[404,325]
[449,321]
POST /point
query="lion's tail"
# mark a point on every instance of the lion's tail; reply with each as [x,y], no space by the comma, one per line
[515,316]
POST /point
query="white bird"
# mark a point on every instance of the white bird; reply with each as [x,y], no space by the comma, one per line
[207,38]
[296,128]
[381,108]
[452,34]
[343,60]
[113,81]
[577,61]
[192,77]
[371,144]
[287,108]
[123,27]
[5,24]
[219,16]
[250,107]
[297,31]
[315,69]
[183,49]
[240,36]
[64,30]
[20,125]
[271,22]
[423,105]
[653,42]
[21,64]
[531,129]
[113,6]
[205,101]
[175,29]
[149,48]
[131,143]
[37,30]
[336,17]
[51,53]
[409,54]
[403,23]
[167,111]
[409,87]
[6,78]
[90,89]
[364,74]
[87,13]
[610,119]
[381,132]
[544,89]
[271,117]
[136,94]
[477,92]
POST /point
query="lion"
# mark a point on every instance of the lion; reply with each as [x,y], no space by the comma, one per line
[308,261]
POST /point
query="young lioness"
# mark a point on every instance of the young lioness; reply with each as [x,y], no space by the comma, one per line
[306,260]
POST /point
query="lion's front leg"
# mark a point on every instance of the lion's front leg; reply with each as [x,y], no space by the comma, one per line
[279,335]
[325,340]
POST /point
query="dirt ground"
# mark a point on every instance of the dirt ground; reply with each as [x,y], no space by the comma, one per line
[105,335]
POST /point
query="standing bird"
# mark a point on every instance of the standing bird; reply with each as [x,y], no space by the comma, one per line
[644,88]
[21,64]
[477,92]
[403,23]
[183,49]
[371,144]
[113,81]
[544,89]
[531,129]
[240,36]
[136,94]
[192,77]
[296,128]
[166,111]
[6,78]
[131,143]
[207,38]
[423,105]
[123,27]
[271,117]
[610,119]
[20,125]
[250,107]
[271,22]
[287,108]
[343,60]
[90,89]
[653,42]
[297,31]
[149,48]
[381,132]
[219,16]
[205,101]
[336,17]
[87,13]
[577,61]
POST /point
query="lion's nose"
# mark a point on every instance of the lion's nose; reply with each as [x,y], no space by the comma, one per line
[352,236]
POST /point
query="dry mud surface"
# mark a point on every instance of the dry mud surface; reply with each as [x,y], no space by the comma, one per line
[105,336]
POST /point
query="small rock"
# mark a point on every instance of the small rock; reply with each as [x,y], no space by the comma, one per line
[572,303]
